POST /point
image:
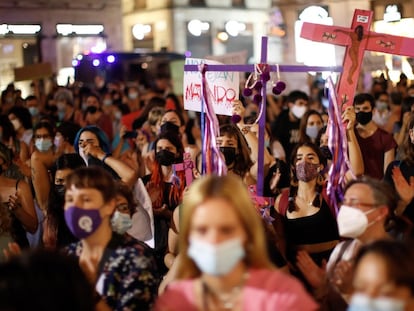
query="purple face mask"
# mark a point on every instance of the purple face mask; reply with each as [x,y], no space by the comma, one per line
[82,222]
[306,171]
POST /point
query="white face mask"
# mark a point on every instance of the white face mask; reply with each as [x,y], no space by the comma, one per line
[380,119]
[299,111]
[352,222]
[83,155]
[121,222]
[216,259]
[133,95]
[361,302]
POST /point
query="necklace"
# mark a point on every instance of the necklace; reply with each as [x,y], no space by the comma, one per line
[310,203]
[227,300]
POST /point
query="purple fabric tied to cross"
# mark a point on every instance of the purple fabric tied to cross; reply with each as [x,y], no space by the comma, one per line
[187,166]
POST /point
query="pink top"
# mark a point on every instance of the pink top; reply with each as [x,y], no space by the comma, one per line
[265,290]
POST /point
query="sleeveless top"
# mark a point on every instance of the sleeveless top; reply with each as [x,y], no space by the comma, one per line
[317,228]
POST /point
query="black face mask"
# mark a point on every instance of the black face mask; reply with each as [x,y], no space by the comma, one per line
[229,154]
[60,190]
[326,152]
[169,127]
[91,110]
[364,117]
[1,169]
[165,157]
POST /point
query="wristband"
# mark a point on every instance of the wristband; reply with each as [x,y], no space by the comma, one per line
[106,155]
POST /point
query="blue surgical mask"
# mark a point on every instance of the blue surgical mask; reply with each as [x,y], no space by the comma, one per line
[121,222]
[381,105]
[312,131]
[43,144]
[361,302]
[34,111]
[216,259]
[61,115]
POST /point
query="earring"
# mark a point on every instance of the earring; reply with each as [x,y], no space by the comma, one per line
[278,86]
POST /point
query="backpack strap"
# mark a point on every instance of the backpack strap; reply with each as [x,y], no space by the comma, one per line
[284,202]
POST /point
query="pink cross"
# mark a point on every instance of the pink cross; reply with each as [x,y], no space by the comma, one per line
[187,166]
[357,40]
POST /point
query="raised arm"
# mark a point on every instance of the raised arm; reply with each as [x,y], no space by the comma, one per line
[21,204]
[250,132]
[354,152]
[40,163]
[126,173]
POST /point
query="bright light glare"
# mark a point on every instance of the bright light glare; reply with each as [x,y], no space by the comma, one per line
[99,47]
[64,29]
[110,59]
[67,29]
[233,28]
[24,29]
[223,36]
[96,62]
[3,29]
[140,30]
[197,27]
[309,52]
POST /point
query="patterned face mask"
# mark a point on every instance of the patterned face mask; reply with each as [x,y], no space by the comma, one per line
[306,171]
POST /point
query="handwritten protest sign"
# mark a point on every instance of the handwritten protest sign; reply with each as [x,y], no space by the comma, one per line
[223,88]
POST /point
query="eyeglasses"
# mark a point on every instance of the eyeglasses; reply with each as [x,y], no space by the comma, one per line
[354,202]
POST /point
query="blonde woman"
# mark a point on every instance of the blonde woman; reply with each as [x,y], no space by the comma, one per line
[223,259]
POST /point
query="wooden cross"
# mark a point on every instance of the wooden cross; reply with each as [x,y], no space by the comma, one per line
[357,40]
[187,166]
[262,121]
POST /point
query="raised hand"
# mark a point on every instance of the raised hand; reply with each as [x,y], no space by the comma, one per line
[405,189]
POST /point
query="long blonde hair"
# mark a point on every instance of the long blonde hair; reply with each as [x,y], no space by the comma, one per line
[232,189]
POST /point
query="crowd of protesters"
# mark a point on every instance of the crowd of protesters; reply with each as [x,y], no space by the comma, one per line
[90,180]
